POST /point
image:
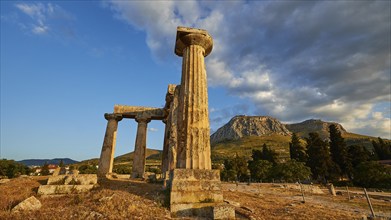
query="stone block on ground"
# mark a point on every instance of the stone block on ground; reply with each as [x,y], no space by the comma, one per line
[81,179]
[29,204]
[63,189]
[4,181]
[223,211]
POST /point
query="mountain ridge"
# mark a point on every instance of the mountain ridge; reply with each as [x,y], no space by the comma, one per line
[41,162]
[241,126]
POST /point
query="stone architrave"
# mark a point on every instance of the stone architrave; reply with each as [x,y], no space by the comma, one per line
[194,140]
[107,155]
[139,156]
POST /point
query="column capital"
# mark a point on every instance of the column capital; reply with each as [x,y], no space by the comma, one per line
[117,117]
[192,36]
[142,119]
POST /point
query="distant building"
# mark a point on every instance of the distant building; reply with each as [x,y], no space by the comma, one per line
[52,168]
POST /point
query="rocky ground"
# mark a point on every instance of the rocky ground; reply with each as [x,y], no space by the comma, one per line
[126,199]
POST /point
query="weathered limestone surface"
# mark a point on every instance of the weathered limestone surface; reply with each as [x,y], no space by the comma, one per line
[193,122]
[137,111]
[330,186]
[81,179]
[29,204]
[173,133]
[138,168]
[107,155]
[196,192]
[195,188]
[63,189]
[68,184]
[167,122]
[223,211]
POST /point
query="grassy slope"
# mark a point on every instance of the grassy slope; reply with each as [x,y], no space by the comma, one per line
[279,143]
[244,146]
[153,158]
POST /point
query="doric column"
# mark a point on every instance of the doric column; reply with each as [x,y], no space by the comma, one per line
[164,167]
[108,148]
[139,155]
[193,120]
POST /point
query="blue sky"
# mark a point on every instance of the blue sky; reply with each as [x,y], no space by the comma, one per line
[65,64]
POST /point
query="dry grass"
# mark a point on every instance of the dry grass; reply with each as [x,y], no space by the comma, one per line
[270,202]
[129,199]
[111,200]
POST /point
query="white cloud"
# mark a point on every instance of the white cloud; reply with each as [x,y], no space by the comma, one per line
[153,129]
[293,60]
[41,16]
[40,29]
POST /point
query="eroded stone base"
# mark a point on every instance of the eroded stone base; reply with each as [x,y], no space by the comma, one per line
[198,193]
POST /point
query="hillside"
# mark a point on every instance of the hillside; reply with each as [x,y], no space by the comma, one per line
[244,133]
[245,145]
[41,162]
[151,154]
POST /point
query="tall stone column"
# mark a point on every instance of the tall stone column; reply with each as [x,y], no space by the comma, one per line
[108,148]
[195,187]
[139,155]
[164,167]
[193,127]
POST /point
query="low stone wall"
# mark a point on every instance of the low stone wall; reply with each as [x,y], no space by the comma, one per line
[68,184]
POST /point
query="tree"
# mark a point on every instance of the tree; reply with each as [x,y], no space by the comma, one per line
[296,150]
[382,149]
[45,169]
[240,165]
[88,169]
[319,159]
[61,164]
[235,169]
[291,171]
[339,151]
[358,154]
[372,174]
[259,169]
[268,154]
[11,168]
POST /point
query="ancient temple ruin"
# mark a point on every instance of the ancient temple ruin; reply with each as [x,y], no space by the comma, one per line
[195,189]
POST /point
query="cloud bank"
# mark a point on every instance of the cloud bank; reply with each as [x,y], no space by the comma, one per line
[293,60]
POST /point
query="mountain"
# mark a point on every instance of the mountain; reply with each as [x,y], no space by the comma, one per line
[244,133]
[41,162]
[314,125]
[242,126]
